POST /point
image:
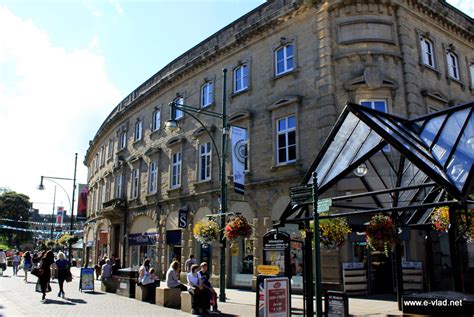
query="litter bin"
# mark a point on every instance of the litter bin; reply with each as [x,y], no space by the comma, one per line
[127,279]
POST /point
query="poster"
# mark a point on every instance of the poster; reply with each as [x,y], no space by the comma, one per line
[277,297]
[86,282]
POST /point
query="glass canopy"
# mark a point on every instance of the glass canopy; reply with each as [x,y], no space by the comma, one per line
[435,152]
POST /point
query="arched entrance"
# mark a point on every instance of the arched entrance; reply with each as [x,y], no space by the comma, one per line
[142,241]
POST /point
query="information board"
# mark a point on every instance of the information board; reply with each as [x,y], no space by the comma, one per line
[277,297]
[86,282]
[337,304]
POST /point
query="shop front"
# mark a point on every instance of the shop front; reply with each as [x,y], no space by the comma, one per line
[102,242]
[88,247]
[143,242]
[242,251]
[173,247]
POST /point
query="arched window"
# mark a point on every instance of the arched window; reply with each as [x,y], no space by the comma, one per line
[156,120]
[427,51]
[137,135]
[453,65]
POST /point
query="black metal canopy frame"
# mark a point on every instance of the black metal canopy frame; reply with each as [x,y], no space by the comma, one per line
[414,166]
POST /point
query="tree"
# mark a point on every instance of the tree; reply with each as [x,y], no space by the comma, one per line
[15,206]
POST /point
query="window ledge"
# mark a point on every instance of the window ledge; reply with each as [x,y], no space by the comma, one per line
[202,183]
[152,197]
[458,81]
[434,70]
[122,150]
[133,200]
[241,92]
[296,164]
[137,142]
[212,104]
[294,72]
[157,132]
[174,190]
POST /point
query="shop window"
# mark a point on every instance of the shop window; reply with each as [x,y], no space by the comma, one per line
[286,140]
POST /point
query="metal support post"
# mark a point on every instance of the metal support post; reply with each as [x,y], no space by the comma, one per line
[223,208]
[72,209]
[317,248]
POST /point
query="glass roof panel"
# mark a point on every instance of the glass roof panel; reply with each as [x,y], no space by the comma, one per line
[431,129]
[372,140]
[449,134]
[336,146]
[463,158]
[347,153]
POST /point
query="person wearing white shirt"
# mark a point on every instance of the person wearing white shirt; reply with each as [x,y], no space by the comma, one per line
[196,289]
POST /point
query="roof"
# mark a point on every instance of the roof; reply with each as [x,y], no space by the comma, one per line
[430,158]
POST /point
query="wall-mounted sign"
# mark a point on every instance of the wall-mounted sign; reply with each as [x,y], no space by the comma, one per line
[145,238]
[268,269]
[183,217]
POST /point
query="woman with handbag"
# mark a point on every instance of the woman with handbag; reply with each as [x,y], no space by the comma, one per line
[43,285]
[62,266]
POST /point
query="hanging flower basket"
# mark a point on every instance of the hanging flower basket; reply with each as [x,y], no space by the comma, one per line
[333,233]
[381,233]
[67,238]
[237,227]
[206,231]
[440,219]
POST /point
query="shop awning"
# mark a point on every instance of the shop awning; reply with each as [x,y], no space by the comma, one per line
[428,158]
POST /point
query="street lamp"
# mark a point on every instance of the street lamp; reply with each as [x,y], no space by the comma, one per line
[71,204]
[172,125]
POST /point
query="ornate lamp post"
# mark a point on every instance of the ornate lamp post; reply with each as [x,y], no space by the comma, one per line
[222,157]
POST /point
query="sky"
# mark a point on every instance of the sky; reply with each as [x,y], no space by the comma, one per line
[65,64]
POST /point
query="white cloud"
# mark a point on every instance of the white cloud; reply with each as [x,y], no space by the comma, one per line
[94,43]
[52,101]
[463,5]
[117,6]
[96,13]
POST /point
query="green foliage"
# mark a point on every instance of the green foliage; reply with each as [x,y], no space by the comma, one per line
[15,206]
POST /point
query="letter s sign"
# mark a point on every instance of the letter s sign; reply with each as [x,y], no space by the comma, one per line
[182,218]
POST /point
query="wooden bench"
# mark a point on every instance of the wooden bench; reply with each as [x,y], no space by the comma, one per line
[186,302]
[168,297]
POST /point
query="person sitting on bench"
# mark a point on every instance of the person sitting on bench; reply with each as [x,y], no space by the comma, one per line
[196,289]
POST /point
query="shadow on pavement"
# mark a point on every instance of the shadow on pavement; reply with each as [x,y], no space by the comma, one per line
[76,300]
[59,302]
[94,293]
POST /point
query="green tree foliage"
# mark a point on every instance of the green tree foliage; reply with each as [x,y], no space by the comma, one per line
[17,207]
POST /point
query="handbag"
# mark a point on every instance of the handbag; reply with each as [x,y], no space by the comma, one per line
[39,290]
[37,272]
[68,276]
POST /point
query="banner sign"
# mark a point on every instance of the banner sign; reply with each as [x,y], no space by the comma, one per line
[82,201]
[239,156]
[86,282]
[277,297]
[183,217]
[145,238]
[59,215]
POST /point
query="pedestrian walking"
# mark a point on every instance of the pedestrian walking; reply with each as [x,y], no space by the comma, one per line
[15,262]
[62,267]
[3,262]
[42,285]
[27,262]
[189,262]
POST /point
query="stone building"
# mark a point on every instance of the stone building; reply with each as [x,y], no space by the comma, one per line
[292,65]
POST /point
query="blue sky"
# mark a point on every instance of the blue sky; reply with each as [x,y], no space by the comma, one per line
[65,64]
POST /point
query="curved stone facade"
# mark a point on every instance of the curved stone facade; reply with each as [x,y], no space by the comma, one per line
[333,52]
